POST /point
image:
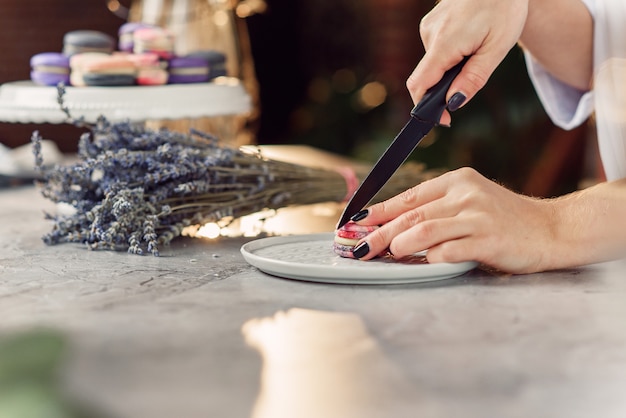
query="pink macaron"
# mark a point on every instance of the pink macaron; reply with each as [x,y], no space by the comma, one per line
[126,33]
[156,40]
[150,70]
[348,236]
[109,70]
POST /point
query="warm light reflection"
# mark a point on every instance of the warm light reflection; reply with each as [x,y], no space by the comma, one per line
[292,220]
[320,217]
[220,18]
[246,8]
[210,230]
[252,225]
[372,94]
[226,81]
[325,364]
[113,5]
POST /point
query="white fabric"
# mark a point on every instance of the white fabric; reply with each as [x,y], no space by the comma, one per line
[610,85]
[566,106]
[569,107]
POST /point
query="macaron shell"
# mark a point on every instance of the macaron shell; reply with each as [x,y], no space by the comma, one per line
[49,79]
[187,78]
[109,64]
[351,234]
[130,27]
[351,226]
[344,251]
[146,59]
[109,80]
[91,38]
[78,61]
[54,59]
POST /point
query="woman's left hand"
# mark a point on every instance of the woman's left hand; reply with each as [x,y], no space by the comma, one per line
[463,216]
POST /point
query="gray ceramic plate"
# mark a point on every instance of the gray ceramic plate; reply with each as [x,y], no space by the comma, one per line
[311,258]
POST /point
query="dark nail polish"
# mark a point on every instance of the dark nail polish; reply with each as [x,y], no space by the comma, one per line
[360,215]
[361,250]
[456,101]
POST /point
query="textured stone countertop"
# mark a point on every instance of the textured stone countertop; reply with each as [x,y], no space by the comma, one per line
[198,332]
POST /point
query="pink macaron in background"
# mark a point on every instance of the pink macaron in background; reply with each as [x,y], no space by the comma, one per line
[150,70]
[78,63]
[146,57]
[109,70]
[126,35]
[157,40]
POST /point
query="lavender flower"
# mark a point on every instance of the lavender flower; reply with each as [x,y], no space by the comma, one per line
[135,189]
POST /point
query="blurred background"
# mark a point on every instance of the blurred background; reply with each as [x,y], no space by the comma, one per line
[331,74]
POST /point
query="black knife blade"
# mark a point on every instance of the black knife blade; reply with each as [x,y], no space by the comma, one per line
[394,156]
[424,116]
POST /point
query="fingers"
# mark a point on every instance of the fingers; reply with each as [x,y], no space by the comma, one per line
[422,217]
[427,73]
[484,30]
[412,198]
[413,229]
[471,79]
[404,236]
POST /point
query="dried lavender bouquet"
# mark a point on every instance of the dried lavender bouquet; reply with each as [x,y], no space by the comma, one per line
[135,189]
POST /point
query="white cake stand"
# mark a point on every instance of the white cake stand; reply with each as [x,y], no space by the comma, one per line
[26,102]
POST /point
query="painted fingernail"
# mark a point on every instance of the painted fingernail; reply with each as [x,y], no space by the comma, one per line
[360,215]
[361,250]
[456,101]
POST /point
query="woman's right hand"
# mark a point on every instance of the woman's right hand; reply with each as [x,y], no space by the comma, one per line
[485,30]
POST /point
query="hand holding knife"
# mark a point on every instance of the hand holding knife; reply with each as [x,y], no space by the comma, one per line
[424,116]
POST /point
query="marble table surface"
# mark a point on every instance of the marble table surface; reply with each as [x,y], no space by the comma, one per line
[198,332]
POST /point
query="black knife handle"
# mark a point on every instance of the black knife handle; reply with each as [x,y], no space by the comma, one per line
[432,105]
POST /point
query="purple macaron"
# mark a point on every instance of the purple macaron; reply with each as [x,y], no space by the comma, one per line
[215,59]
[188,70]
[50,69]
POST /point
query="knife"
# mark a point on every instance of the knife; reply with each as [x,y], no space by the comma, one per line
[424,116]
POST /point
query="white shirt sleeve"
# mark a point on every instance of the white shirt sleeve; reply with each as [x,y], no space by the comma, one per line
[567,106]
